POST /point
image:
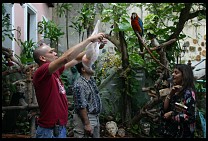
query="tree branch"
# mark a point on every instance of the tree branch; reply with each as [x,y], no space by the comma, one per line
[182,20]
[114,41]
[140,39]
[195,14]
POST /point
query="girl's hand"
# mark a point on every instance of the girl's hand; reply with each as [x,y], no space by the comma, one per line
[168,115]
[175,90]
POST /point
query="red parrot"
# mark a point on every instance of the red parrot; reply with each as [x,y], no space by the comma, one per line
[137,26]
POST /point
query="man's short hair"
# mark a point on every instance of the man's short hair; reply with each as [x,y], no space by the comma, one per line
[79,67]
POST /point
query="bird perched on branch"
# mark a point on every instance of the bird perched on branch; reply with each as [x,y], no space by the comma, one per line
[137,26]
[154,42]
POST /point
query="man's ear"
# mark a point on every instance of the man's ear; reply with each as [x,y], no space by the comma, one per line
[42,58]
[82,69]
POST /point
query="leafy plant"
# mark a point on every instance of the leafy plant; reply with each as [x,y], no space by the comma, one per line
[63,8]
[6,26]
[135,129]
[85,20]
[68,77]
[50,30]
[105,64]
[26,56]
[23,125]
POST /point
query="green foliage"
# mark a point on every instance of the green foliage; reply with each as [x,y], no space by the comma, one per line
[116,14]
[150,24]
[68,77]
[200,96]
[87,15]
[136,60]
[77,26]
[135,129]
[63,8]
[85,19]
[199,132]
[6,26]
[110,99]
[26,55]
[162,21]
[4,67]
[109,107]
[50,30]
[23,124]
[106,64]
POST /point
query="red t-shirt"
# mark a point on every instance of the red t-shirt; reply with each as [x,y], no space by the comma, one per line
[51,97]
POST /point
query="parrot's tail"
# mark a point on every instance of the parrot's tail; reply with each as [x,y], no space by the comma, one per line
[141,49]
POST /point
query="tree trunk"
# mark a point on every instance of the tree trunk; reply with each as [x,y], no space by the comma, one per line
[126,112]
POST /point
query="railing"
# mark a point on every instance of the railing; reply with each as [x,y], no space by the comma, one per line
[200,68]
[200,62]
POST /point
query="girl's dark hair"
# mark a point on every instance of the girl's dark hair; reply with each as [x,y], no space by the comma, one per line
[79,67]
[187,75]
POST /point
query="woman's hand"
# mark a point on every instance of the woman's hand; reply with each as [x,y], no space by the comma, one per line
[175,90]
[168,115]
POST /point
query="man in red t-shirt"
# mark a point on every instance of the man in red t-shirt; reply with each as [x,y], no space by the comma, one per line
[50,92]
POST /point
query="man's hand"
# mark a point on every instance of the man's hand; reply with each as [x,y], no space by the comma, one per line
[103,42]
[88,130]
[96,38]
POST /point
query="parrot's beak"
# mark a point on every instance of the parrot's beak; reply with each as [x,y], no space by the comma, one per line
[133,15]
